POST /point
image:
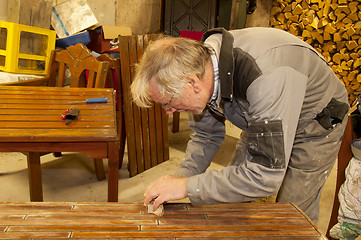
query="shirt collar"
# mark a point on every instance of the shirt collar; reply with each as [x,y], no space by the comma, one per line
[216,85]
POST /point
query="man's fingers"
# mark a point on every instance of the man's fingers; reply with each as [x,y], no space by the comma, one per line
[164,189]
[149,194]
[148,198]
[157,201]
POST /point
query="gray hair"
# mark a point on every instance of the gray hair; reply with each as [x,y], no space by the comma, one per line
[169,60]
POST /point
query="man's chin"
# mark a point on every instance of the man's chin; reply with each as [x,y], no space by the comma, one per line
[196,111]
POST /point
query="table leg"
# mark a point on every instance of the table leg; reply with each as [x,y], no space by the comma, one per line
[113,168]
[34,175]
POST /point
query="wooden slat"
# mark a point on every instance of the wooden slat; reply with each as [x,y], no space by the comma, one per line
[159,132]
[141,45]
[151,121]
[55,112]
[163,150]
[91,148]
[128,108]
[55,117]
[49,91]
[56,124]
[165,136]
[152,136]
[136,110]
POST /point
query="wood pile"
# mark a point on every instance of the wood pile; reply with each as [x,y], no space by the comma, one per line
[332,27]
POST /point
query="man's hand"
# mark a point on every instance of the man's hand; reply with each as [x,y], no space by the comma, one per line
[165,188]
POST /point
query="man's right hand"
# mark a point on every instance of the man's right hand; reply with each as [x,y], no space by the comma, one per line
[166,188]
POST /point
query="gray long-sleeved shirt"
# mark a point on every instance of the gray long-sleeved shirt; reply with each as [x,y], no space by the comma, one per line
[272,84]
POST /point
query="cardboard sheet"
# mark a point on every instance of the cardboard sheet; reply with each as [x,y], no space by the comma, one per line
[72,17]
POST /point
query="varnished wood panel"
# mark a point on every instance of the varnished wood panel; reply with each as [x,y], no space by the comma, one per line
[131,221]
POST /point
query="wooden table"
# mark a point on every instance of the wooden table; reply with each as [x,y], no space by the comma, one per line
[30,122]
[130,220]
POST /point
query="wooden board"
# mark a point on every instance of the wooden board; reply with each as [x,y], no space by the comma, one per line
[131,221]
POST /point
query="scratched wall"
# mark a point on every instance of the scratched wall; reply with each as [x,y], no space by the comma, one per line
[143,16]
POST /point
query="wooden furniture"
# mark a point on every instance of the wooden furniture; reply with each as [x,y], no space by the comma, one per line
[344,157]
[131,221]
[146,129]
[77,59]
[30,122]
[114,81]
[85,71]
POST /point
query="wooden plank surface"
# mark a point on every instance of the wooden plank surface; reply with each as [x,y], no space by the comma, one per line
[32,114]
[131,221]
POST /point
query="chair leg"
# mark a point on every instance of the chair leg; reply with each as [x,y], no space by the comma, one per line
[34,175]
[99,169]
[175,127]
[122,136]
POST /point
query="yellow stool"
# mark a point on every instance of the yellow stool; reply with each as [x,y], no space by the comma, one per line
[25,49]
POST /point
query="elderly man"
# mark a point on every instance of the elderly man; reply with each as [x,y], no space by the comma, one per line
[280,91]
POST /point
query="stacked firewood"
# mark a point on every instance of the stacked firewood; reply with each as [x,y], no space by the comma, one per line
[332,27]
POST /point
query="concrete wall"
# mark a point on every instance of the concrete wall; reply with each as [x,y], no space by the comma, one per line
[104,11]
[3,10]
[143,16]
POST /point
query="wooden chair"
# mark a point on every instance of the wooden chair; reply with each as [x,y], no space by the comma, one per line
[146,129]
[78,60]
[344,157]
[114,81]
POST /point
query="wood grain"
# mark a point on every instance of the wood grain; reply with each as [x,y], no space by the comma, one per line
[131,221]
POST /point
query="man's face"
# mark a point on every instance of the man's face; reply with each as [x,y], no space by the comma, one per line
[194,97]
[191,100]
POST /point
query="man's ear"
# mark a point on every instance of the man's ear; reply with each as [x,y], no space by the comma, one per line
[194,81]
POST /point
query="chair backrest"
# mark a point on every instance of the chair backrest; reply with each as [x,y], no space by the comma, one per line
[85,70]
[113,79]
[146,129]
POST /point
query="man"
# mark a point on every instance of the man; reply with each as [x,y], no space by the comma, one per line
[291,107]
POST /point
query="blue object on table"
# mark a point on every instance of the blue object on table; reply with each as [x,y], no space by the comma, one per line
[97,100]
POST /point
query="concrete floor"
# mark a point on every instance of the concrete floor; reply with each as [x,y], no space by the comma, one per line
[71,177]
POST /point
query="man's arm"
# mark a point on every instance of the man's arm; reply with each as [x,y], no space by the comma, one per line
[204,144]
[209,133]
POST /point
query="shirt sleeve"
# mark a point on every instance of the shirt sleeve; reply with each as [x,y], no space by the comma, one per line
[209,133]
